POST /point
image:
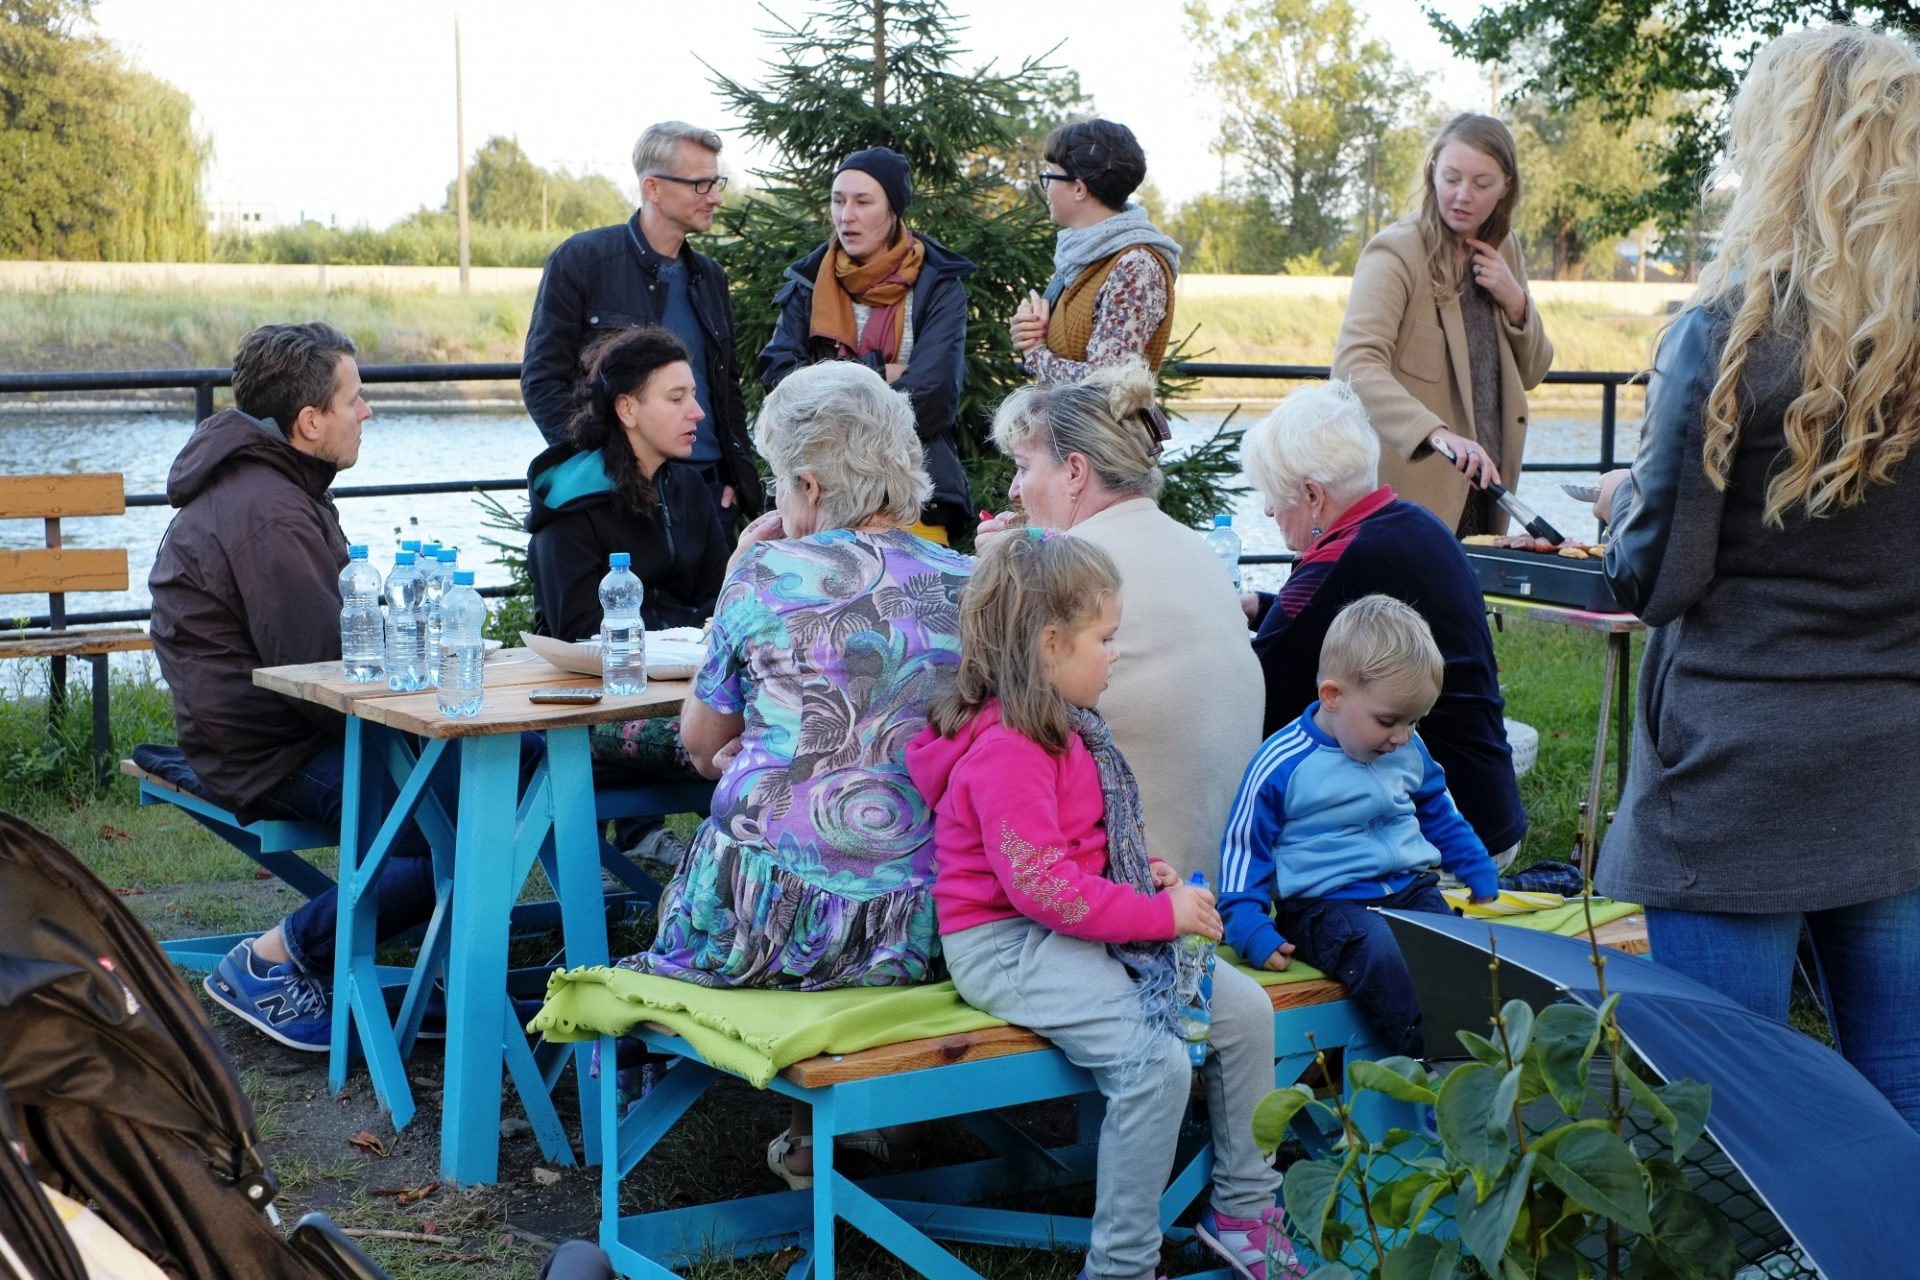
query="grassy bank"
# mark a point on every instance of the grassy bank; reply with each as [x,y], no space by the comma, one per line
[138,329]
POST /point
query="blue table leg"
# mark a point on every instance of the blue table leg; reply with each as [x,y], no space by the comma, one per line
[477,964]
[353,923]
[576,876]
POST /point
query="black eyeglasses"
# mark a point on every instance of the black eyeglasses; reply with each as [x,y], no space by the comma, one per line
[1045,177]
[701,186]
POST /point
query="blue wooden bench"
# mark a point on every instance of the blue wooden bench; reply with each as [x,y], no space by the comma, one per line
[971,1077]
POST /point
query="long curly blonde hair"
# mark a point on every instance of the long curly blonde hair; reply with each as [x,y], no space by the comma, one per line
[1822,242]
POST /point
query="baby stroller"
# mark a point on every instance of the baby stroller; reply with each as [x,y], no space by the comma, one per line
[114,1092]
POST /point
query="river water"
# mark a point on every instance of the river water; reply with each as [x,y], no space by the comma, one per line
[415,447]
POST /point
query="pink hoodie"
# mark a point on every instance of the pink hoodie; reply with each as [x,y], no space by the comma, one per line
[1019,831]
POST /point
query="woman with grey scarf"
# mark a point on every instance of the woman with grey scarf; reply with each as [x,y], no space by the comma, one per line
[1111,297]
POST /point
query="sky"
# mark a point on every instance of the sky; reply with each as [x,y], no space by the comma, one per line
[344,112]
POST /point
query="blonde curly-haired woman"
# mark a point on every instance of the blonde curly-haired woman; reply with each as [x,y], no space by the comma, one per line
[1765,532]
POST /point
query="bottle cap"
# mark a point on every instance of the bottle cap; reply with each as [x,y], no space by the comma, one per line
[1223,522]
[448,555]
[463,577]
[356,552]
[1198,879]
[410,544]
[429,548]
[619,560]
[403,556]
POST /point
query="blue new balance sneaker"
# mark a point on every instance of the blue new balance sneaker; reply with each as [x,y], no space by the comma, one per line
[277,999]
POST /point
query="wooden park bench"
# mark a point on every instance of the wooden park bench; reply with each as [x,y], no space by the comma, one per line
[58,569]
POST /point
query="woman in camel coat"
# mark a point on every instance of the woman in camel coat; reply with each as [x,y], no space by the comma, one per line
[1441,338]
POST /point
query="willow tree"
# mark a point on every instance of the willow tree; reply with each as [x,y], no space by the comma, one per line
[864,73]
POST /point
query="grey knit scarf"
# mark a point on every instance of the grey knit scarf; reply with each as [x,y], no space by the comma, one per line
[1077,248]
[1168,980]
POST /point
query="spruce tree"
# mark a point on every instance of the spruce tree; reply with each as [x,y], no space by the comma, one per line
[864,73]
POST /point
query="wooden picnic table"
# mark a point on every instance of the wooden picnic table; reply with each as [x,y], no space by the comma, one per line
[396,745]
[1616,686]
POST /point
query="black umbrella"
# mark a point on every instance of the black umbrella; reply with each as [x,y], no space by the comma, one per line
[1821,1148]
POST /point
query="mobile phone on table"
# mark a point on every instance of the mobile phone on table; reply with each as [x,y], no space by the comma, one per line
[586,693]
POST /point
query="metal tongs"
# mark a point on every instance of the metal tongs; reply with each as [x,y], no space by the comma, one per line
[1526,515]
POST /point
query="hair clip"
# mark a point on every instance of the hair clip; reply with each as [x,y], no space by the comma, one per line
[606,383]
[1155,421]
[1038,534]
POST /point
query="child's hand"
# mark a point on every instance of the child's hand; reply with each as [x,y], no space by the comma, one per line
[1282,957]
[1164,876]
[1193,911]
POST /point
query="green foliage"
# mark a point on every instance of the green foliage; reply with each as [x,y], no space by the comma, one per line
[427,238]
[1513,1188]
[1630,58]
[506,189]
[98,160]
[508,615]
[1313,107]
[1574,165]
[863,73]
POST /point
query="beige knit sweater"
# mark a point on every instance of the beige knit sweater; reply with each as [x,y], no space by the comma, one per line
[1186,695]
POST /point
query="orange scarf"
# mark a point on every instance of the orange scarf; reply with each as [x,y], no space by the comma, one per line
[882,282]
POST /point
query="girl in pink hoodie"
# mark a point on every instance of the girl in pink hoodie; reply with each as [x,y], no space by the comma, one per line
[1054,916]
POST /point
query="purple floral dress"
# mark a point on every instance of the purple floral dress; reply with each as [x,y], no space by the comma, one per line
[816,867]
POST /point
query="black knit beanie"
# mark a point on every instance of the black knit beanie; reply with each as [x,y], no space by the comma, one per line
[886,167]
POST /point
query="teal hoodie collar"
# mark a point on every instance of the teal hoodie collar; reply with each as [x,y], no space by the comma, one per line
[582,475]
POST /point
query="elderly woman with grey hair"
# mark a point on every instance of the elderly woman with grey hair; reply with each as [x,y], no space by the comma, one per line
[1316,461]
[1184,699]
[833,628]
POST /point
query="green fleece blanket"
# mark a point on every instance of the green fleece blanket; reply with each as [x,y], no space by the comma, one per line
[755,1034]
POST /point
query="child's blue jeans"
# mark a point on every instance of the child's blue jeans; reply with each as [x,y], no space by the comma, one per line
[1345,938]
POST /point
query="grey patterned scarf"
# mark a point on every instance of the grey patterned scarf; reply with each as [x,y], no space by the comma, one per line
[1167,979]
[1077,248]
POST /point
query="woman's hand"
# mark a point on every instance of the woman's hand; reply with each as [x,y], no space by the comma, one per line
[1164,876]
[1193,911]
[724,756]
[1490,272]
[992,526]
[1603,505]
[1250,605]
[1029,328]
[895,371]
[1469,459]
[1282,957]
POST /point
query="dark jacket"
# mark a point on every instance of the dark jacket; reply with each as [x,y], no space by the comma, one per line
[1781,681]
[1403,551]
[608,279]
[679,550]
[248,575]
[936,369]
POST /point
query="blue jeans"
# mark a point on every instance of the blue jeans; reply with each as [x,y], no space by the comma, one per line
[1868,960]
[404,892]
[1345,939]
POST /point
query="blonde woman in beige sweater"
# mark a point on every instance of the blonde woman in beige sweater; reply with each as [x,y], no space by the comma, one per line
[1186,694]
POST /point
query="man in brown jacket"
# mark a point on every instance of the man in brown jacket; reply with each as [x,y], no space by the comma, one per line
[248,576]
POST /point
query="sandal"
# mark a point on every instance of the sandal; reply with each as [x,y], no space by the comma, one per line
[869,1142]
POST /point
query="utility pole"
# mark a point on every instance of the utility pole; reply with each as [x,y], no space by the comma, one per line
[543,206]
[460,145]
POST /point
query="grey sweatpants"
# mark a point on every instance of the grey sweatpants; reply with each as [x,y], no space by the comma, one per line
[1078,996]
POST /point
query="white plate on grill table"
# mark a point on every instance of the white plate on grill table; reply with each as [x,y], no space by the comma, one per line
[1580,492]
[672,654]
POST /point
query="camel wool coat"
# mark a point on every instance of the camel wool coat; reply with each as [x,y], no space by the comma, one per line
[1406,356]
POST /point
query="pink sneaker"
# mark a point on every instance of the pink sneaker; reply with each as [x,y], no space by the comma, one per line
[1256,1248]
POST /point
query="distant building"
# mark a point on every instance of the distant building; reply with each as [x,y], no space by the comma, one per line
[241,216]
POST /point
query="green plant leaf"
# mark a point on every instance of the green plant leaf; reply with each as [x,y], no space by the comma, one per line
[1559,1264]
[1486,1224]
[1561,1033]
[1275,1112]
[1518,1017]
[1505,1096]
[1401,1079]
[1392,1202]
[1424,1205]
[1484,1051]
[1421,1258]
[1332,1271]
[1690,1101]
[1691,1236]
[1592,1165]
[1473,1132]
[1311,1190]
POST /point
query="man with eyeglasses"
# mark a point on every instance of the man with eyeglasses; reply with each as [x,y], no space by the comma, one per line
[643,272]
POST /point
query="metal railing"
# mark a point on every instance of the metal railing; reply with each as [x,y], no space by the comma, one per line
[203,382]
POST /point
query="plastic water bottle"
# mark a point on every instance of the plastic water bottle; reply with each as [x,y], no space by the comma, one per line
[435,590]
[406,625]
[1226,544]
[1196,1020]
[362,638]
[463,656]
[623,637]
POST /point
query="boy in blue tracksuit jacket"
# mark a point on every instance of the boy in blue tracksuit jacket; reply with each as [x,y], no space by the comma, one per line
[1342,811]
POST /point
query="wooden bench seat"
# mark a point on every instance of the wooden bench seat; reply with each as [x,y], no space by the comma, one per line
[58,569]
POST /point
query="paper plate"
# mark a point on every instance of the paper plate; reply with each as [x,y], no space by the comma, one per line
[671,655]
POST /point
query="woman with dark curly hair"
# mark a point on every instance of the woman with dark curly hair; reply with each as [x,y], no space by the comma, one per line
[1111,297]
